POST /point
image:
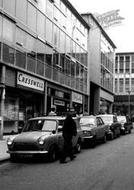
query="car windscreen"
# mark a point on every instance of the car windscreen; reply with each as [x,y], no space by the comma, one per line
[87,121]
[107,119]
[40,125]
[121,119]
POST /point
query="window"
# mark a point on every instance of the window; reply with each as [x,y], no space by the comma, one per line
[21,7]
[127,84]
[49,52]
[9,6]
[8,30]
[0,26]
[49,9]
[127,67]
[21,37]
[49,35]
[42,6]
[31,17]
[121,67]
[62,42]
[56,34]
[40,51]
[116,87]
[68,45]
[120,85]
[8,54]
[41,25]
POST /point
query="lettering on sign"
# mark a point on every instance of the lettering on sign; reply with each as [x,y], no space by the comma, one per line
[59,103]
[109,19]
[76,97]
[29,81]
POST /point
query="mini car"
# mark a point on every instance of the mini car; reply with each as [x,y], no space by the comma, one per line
[42,136]
[126,124]
[111,120]
[93,129]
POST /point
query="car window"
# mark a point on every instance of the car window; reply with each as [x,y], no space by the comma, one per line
[121,119]
[37,125]
[89,121]
[107,119]
[114,119]
[99,122]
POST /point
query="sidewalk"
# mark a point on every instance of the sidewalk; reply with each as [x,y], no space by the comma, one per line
[3,148]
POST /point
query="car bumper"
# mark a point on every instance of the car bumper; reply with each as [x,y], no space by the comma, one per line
[27,152]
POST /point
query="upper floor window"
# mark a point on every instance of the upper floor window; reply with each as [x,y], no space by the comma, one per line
[49,9]
[9,6]
[41,25]
[8,30]
[31,17]
[21,7]
[42,5]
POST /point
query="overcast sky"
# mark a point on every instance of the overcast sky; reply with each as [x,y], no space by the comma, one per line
[123,34]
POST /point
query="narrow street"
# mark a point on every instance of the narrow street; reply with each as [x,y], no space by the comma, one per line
[108,166]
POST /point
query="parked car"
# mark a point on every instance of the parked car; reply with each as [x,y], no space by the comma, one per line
[93,129]
[126,124]
[42,136]
[111,120]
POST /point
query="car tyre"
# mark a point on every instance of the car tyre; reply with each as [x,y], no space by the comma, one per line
[105,139]
[13,157]
[78,146]
[93,142]
[52,154]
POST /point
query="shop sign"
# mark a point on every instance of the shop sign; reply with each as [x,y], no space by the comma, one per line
[29,81]
[76,97]
[59,103]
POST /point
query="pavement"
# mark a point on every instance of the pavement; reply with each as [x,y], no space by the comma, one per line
[4,156]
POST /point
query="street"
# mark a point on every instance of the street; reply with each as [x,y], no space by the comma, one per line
[108,166]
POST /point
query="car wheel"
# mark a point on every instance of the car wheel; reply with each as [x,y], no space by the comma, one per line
[93,142]
[52,154]
[105,139]
[78,146]
[129,131]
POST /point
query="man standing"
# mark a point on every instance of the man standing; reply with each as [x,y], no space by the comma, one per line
[69,130]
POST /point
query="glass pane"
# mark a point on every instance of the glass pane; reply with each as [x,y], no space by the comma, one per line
[42,6]
[21,7]
[31,17]
[0,26]
[40,68]
[49,53]
[40,51]
[9,6]
[41,25]
[21,37]
[8,30]
[20,59]
[49,9]
[48,30]
[1,3]
[31,63]
[8,54]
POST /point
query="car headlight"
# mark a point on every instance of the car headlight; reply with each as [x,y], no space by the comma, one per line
[10,141]
[87,132]
[41,141]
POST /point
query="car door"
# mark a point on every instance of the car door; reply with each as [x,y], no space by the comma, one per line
[100,128]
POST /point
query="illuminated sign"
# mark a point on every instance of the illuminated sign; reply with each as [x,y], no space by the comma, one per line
[29,81]
[109,19]
[76,97]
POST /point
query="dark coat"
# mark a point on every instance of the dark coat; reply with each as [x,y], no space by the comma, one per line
[69,127]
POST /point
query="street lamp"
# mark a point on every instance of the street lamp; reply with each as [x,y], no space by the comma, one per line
[129,111]
[2,98]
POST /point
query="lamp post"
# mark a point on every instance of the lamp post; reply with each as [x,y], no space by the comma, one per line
[2,98]
[129,111]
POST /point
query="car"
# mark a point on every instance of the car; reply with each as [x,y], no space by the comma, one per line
[93,129]
[111,120]
[42,136]
[126,124]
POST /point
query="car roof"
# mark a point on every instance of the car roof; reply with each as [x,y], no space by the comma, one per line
[88,116]
[105,115]
[51,118]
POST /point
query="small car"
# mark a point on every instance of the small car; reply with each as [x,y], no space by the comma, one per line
[42,136]
[126,124]
[115,126]
[93,129]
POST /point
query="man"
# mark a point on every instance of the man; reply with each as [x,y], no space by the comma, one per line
[69,130]
[52,112]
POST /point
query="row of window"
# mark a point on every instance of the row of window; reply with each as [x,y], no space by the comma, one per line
[10,33]
[123,85]
[124,67]
[106,79]
[56,67]
[36,20]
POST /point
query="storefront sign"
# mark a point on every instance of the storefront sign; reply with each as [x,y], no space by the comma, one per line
[59,103]
[29,81]
[76,97]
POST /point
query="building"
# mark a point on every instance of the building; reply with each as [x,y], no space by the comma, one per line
[101,56]
[124,83]
[43,60]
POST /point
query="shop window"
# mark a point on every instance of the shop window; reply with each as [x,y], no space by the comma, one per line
[31,16]
[9,6]
[8,54]
[21,7]
[41,25]
[20,59]
[8,30]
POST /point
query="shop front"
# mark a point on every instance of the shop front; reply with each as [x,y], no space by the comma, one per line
[23,100]
[58,97]
[77,102]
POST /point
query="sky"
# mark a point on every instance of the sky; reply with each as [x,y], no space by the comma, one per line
[122,35]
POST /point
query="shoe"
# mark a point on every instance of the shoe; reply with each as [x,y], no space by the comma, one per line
[72,157]
[63,162]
